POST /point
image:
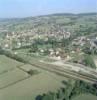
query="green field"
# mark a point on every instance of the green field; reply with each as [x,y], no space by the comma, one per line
[7,64]
[28,89]
[28,67]
[9,73]
[12,77]
[17,84]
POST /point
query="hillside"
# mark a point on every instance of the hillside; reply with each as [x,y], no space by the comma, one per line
[81,24]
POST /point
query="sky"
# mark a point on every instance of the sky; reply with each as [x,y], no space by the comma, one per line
[27,8]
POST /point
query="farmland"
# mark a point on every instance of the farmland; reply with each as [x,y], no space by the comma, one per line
[7,64]
[31,87]
[17,84]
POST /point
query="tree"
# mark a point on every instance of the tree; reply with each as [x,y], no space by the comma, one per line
[39,97]
[34,48]
[1,50]
[88,60]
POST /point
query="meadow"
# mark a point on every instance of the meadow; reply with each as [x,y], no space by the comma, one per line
[17,84]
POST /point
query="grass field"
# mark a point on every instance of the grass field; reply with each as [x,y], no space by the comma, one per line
[15,83]
[86,97]
[7,64]
[27,67]
[12,77]
[28,89]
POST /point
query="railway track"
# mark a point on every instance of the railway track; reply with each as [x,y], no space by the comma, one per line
[64,72]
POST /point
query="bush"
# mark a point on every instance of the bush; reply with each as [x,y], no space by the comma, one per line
[13,56]
[88,60]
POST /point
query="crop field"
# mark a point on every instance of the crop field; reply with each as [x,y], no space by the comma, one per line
[17,84]
[12,77]
[28,89]
[7,64]
[9,73]
[86,97]
[28,67]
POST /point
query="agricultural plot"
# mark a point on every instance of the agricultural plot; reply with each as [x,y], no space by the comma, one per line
[28,89]
[12,77]
[7,64]
[28,67]
[15,83]
[9,73]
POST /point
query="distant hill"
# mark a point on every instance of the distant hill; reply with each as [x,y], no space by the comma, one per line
[55,14]
[83,23]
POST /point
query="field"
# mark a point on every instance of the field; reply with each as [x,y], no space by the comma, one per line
[12,77]
[17,84]
[86,97]
[29,88]
[7,64]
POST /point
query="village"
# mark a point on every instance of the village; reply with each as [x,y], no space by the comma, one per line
[58,48]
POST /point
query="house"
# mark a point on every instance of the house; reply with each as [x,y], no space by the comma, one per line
[93,43]
[80,41]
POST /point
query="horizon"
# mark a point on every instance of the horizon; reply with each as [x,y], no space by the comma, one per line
[32,8]
[49,15]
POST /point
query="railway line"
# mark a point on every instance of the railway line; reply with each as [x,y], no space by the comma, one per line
[64,72]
